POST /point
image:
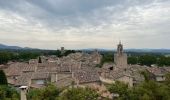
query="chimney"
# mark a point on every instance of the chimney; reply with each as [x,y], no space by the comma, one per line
[23,91]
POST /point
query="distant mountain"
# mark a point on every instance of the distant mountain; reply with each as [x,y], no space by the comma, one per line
[2,46]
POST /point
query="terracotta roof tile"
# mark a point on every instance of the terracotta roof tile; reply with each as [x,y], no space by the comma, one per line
[86,76]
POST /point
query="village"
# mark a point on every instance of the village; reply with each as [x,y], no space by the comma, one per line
[79,70]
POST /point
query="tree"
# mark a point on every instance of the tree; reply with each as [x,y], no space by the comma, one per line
[167,79]
[8,93]
[146,75]
[147,60]
[148,90]
[107,57]
[120,88]
[132,60]
[2,94]
[79,94]
[3,79]
[163,61]
[50,92]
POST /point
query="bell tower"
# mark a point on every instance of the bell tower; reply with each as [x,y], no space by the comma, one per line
[120,58]
[120,48]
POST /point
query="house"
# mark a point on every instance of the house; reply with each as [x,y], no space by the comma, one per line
[86,77]
[39,79]
[167,69]
[157,73]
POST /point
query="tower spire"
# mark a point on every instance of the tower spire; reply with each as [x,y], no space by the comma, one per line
[120,48]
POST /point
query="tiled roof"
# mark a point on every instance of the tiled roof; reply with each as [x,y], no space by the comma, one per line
[157,70]
[67,81]
[24,79]
[115,74]
[167,68]
[65,67]
[15,69]
[86,76]
[29,68]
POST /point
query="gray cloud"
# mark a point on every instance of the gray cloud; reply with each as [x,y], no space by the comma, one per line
[85,23]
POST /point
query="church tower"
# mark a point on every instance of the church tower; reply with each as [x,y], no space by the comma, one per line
[120,58]
[120,48]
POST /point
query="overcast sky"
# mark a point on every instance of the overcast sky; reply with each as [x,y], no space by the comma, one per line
[77,24]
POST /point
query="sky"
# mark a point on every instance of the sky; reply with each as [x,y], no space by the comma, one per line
[79,24]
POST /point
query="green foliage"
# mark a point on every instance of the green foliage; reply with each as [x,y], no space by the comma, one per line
[146,75]
[8,93]
[79,94]
[149,60]
[25,55]
[4,57]
[132,60]
[163,61]
[167,79]
[50,92]
[3,79]
[28,55]
[148,90]
[67,52]
[107,57]
[119,88]
[2,94]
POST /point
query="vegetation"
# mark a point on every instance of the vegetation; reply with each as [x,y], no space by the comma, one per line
[14,56]
[149,60]
[106,57]
[25,55]
[148,90]
[51,92]
[3,79]
[79,94]
[8,93]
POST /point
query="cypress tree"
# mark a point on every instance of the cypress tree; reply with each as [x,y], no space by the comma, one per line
[3,79]
[39,60]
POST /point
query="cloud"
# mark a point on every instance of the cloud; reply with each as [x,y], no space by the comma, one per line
[85,23]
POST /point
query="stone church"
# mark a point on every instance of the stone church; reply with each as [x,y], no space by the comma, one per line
[120,58]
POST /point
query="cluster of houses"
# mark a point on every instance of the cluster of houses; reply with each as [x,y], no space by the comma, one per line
[79,69]
[65,71]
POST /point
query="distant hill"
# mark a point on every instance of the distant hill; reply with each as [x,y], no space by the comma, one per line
[132,50]
[149,50]
[2,46]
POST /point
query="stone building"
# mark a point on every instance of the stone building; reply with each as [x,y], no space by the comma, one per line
[120,58]
[157,73]
[120,70]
